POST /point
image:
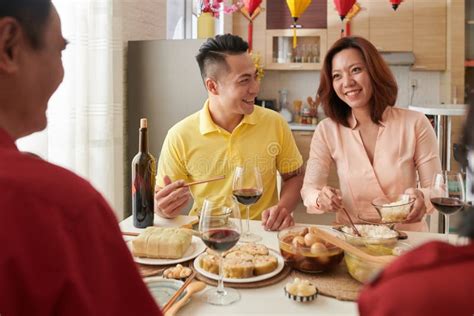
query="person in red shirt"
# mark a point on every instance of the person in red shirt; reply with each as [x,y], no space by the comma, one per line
[62,252]
[434,279]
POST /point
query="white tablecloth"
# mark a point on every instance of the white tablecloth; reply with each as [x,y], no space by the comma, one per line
[268,300]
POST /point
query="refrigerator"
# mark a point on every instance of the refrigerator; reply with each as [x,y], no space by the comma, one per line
[163,85]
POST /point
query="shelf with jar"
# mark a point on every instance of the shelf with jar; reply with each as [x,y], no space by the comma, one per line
[308,54]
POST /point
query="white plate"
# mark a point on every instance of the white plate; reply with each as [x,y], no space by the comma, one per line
[213,276]
[194,250]
[163,289]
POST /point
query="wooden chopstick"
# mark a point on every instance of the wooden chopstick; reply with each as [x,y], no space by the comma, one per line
[178,293]
[133,234]
[204,181]
[352,223]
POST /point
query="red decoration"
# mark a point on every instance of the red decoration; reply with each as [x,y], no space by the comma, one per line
[349,16]
[343,7]
[395,4]
[251,5]
[251,10]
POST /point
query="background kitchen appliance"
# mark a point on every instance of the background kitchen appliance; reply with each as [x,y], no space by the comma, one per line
[268,103]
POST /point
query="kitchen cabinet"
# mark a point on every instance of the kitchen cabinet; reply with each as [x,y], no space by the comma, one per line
[469,64]
[359,25]
[391,30]
[388,30]
[418,26]
[308,55]
[278,15]
[429,34]
[303,142]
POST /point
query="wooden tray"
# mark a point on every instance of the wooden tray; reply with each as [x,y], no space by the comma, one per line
[251,285]
[148,270]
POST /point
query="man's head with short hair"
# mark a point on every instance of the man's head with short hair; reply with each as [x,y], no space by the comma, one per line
[32,15]
[31,45]
[212,54]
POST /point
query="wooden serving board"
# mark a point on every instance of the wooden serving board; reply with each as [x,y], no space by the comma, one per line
[335,283]
[148,270]
[251,285]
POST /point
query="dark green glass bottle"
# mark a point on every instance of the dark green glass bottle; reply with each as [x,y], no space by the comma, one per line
[143,181]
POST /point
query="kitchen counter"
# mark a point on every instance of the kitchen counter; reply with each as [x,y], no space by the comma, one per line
[301,127]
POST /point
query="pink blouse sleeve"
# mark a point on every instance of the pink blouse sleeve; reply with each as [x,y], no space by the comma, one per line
[426,157]
[317,169]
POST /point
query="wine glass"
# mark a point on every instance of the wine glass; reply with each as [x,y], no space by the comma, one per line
[247,188]
[447,195]
[220,227]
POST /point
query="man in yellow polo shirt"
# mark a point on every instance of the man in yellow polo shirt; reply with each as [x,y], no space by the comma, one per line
[228,132]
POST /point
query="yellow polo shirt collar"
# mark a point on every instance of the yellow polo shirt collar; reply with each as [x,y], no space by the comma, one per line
[207,125]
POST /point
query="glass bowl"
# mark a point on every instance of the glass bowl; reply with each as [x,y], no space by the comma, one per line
[371,235]
[362,270]
[301,249]
[394,208]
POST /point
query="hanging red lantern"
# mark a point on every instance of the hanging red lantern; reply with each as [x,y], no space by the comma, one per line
[395,4]
[251,9]
[251,5]
[352,13]
[343,7]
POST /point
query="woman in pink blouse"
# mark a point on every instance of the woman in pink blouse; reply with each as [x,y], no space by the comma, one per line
[378,149]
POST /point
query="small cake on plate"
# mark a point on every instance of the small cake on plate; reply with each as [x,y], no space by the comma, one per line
[301,290]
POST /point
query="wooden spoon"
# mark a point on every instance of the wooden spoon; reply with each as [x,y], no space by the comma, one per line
[190,290]
[350,248]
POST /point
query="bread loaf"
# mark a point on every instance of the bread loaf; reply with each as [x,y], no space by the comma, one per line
[162,243]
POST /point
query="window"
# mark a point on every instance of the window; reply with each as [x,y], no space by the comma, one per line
[182,19]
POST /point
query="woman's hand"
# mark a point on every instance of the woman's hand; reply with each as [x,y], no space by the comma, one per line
[329,200]
[419,208]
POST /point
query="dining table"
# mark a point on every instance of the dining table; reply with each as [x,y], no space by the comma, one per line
[269,300]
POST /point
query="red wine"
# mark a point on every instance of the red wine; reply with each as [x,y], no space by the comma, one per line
[143,182]
[247,196]
[447,205]
[220,239]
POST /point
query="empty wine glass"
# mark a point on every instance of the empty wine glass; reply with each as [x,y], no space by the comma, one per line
[447,195]
[247,188]
[220,228]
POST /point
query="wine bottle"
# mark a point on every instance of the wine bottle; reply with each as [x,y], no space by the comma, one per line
[143,181]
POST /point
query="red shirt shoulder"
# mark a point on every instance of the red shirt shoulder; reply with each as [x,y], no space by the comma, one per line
[435,278]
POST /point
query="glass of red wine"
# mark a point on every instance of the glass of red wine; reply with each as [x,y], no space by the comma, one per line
[220,227]
[247,188]
[447,195]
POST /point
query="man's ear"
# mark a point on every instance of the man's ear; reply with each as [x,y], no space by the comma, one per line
[10,38]
[211,86]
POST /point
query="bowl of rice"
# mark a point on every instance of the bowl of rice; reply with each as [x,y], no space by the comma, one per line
[394,208]
[370,235]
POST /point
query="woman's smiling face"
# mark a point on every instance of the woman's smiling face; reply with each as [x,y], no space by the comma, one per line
[351,79]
